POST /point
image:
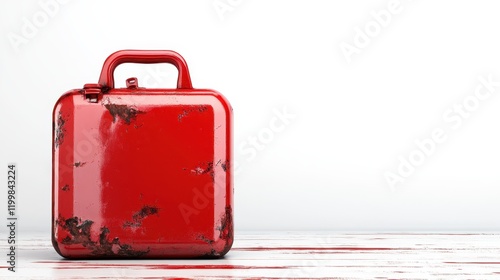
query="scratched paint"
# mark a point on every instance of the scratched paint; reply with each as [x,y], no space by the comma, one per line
[191,109]
[59,130]
[140,215]
[124,112]
[79,164]
[79,232]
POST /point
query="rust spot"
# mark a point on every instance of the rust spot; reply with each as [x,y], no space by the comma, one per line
[65,188]
[226,228]
[105,89]
[186,112]
[142,214]
[197,171]
[79,164]
[80,233]
[212,254]
[60,130]
[124,112]
[209,169]
[205,239]
[225,166]
[182,115]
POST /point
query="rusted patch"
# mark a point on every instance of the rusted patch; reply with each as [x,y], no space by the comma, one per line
[186,112]
[182,115]
[142,214]
[65,188]
[60,130]
[205,239]
[225,233]
[226,224]
[212,254]
[209,169]
[225,165]
[105,89]
[80,233]
[79,164]
[124,112]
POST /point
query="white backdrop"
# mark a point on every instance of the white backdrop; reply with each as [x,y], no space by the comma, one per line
[349,115]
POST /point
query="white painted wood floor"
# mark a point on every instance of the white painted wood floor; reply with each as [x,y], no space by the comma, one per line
[282,255]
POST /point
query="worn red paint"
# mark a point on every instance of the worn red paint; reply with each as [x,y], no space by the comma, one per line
[122,162]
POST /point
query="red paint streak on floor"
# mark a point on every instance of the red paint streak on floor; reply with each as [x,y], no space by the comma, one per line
[278,278]
[168,266]
[433,234]
[472,262]
[318,249]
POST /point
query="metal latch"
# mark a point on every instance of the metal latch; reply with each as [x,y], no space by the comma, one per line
[92,91]
[132,83]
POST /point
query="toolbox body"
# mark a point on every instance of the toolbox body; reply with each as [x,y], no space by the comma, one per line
[142,173]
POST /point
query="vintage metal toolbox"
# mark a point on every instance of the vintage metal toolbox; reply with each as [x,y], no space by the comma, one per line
[140,172]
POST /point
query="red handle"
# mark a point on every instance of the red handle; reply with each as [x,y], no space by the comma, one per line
[147,57]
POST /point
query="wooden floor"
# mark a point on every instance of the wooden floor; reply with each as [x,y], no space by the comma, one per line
[287,256]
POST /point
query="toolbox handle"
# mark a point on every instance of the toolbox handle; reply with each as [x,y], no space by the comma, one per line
[147,57]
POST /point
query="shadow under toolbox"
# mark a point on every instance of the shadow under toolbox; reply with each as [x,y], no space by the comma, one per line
[139,172]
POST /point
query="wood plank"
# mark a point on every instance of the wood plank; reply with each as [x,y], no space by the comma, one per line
[288,256]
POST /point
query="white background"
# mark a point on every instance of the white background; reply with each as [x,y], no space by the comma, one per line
[353,120]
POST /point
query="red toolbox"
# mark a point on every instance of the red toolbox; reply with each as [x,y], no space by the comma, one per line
[140,172]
